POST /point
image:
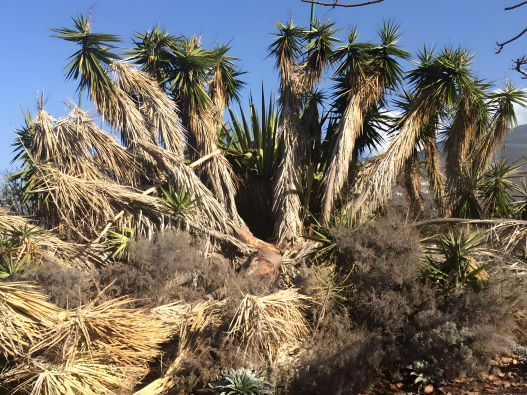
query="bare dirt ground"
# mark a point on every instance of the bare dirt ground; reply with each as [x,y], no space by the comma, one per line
[511,379]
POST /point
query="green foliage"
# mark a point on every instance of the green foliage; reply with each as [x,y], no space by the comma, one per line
[467,205]
[119,243]
[189,69]
[152,52]
[330,250]
[225,65]
[181,203]
[450,261]
[497,201]
[242,382]
[426,373]
[250,144]
[87,63]
[521,205]
[12,265]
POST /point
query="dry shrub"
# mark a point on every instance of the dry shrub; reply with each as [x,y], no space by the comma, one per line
[268,324]
[396,317]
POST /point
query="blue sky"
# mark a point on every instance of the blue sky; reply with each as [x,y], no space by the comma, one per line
[32,60]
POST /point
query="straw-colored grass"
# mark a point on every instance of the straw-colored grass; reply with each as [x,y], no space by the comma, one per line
[42,241]
[191,323]
[126,336]
[88,375]
[159,111]
[267,324]
[24,315]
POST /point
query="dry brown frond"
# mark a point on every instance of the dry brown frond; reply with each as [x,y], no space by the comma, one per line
[85,207]
[95,145]
[88,375]
[121,112]
[160,112]
[125,336]
[191,322]
[435,176]
[379,174]
[24,314]
[287,208]
[365,91]
[268,323]
[79,255]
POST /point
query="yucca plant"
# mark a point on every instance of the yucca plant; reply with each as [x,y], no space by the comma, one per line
[12,265]
[468,203]
[521,205]
[181,203]
[436,82]
[118,243]
[451,260]
[365,73]
[502,121]
[94,53]
[242,382]
[496,184]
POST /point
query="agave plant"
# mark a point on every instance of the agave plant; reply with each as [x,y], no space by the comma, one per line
[451,260]
[242,382]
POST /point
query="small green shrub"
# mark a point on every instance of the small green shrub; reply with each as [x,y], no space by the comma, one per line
[425,373]
[242,382]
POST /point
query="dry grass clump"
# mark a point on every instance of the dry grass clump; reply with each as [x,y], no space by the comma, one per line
[267,324]
[23,238]
[24,314]
[129,337]
[88,375]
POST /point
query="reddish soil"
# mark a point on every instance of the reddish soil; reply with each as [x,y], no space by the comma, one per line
[511,380]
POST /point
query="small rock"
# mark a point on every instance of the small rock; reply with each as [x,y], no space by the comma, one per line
[429,389]
[506,360]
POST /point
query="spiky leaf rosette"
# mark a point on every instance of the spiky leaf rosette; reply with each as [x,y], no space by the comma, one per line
[94,53]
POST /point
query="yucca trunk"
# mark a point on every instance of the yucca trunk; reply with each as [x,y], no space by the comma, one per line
[458,143]
[412,185]
[365,92]
[287,208]
[436,178]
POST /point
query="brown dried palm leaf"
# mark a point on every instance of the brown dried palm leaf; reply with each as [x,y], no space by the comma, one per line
[459,139]
[160,112]
[266,324]
[435,175]
[366,90]
[125,336]
[90,374]
[203,316]
[70,254]
[85,207]
[122,113]
[84,141]
[24,315]
[379,174]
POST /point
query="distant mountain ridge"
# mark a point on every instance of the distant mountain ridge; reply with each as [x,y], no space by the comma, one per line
[514,145]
